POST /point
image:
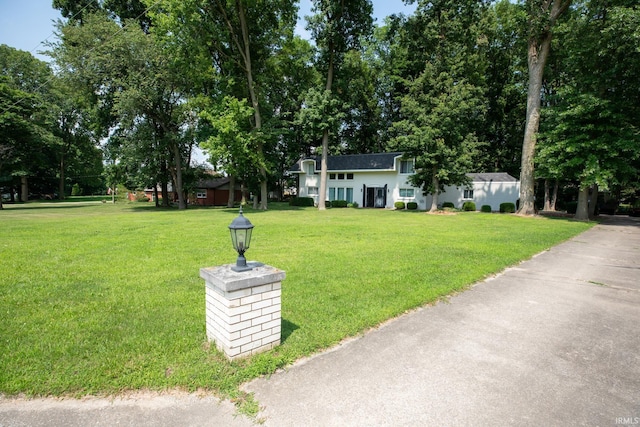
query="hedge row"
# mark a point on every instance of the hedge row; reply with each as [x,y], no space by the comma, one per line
[409,205]
[507,207]
[301,201]
[469,207]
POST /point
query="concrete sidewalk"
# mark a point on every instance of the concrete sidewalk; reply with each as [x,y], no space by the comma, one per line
[553,341]
[143,409]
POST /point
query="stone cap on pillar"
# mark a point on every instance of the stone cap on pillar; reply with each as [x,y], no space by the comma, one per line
[225,279]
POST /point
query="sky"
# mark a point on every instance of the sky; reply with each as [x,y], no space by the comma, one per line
[26,24]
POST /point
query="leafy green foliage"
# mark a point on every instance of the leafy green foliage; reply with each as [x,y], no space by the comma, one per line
[469,207]
[590,133]
[412,206]
[76,190]
[445,100]
[29,122]
[506,93]
[399,205]
[507,208]
[485,208]
[232,142]
[448,205]
[336,27]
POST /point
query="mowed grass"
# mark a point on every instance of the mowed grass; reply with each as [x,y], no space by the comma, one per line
[101,299]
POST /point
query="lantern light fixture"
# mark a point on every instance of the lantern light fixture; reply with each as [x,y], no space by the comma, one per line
[240,229]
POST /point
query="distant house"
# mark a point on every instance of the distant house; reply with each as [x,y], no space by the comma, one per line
[215,192]
[209,192]
[379,180]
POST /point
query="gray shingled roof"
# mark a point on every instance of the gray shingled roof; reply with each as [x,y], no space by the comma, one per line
[385,161]
[350,162]
[213,183]
[491,176]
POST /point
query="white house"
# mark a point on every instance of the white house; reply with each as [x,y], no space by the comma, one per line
[379,180]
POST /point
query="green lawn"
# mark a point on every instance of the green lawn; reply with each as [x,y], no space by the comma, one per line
[103,298]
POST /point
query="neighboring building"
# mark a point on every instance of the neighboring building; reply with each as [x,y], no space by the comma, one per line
[209,192]
[379,180]
[215,192]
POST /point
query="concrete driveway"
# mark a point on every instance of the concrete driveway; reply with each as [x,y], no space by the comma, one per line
[554,341]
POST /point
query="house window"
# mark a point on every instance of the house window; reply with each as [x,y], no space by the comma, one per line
[468,194]
[349,176]
[201,194]
[332,176]
[340,176]
[311,169]
[407,192]
[406,166]
[312,191]
[340,193]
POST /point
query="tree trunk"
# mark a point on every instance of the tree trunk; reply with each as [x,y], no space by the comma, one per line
[436,185]
[243,191]
[178,176]
[593,201]
[538,52]
[232,191]
[582,211]
[537,58]
[254,103]
[24,189]
[61,182]
[554,199]
[165,193]
[325,145]
[547,199]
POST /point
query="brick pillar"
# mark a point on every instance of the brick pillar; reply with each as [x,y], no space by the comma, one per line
[243,309]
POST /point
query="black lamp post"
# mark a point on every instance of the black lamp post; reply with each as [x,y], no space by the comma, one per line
[241,237]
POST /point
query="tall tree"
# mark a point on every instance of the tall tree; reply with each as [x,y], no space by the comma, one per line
[25,121]
[506,90]
[445,103]
[136,90]
[542,16]
[336,27]
[591,143]
[79,10]
[591,135]
[235,38]
[291,73]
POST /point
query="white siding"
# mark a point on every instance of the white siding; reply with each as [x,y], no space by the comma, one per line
[484,193]
[490,193]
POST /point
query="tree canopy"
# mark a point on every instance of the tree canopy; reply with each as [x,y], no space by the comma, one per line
[547,89]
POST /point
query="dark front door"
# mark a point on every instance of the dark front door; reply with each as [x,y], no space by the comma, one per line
[371,196]
[375,197]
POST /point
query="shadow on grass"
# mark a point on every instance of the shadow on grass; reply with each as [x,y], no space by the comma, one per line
[287,329]
[33,206]
[273,206]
